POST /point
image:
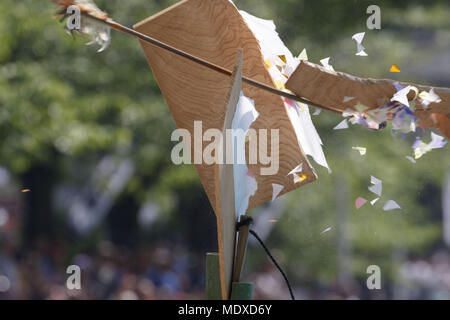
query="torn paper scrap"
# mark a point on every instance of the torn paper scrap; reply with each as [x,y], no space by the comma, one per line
[342,125]
[420,147]
[358,37]
[298,178]
[411,159]
[326,63]
[402,95]
[429,97]
[326,230]
[391,205]
[360,202]
[362,151]
[245,185]
[317,112]
[374,201]
[276,190]
[297,169]
[347,99]
[394,68]
[377,187]
[303,55]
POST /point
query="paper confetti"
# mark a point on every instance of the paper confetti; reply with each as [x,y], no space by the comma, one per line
[374,201]
[245,184]
[358,37]
[362,151]
[377,187]
[326,63]
[429,97]
[360,202]
[411,159]
[297,169]
[391,205]
[399,110]
[394,68]
[326,230]
[276,190]
[317,112]
[347,99]
[420,148]
[298,177]
[402,95]
[303,55]
[342,125]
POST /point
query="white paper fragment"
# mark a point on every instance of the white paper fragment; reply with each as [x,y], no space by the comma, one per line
[402,95]
[359,202]
[360,48]
[244,184]
[377,186]
[429,97]
[347,99]
[303,55]
[326,63]
[358,37]
[349,113]
[326,230]
[277,188]
[342,125]
[317,112]
[411,159]
[374,201]
[361,51]
[297,169]
[362,151]
[299,178]
[391,205]
[420,148]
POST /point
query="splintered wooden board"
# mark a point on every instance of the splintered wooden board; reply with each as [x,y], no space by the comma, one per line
[214,30]
[224,185]
[327,88]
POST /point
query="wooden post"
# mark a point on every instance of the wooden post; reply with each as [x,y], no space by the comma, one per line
[241,249]
[242,291]
[212,283]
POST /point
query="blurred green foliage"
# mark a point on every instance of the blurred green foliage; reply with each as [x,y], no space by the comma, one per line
[62,104]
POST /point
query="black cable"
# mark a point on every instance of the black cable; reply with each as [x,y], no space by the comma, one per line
[253,233]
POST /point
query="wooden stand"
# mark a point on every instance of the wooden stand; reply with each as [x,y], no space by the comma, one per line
[212,283]
[239,290]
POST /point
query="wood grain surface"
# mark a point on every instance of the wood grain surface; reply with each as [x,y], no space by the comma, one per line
[214,30]
[328,88]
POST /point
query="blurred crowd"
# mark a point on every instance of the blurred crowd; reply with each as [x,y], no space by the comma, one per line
[168,271]
[162,272]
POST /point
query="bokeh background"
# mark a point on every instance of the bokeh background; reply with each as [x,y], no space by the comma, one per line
[86,176]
